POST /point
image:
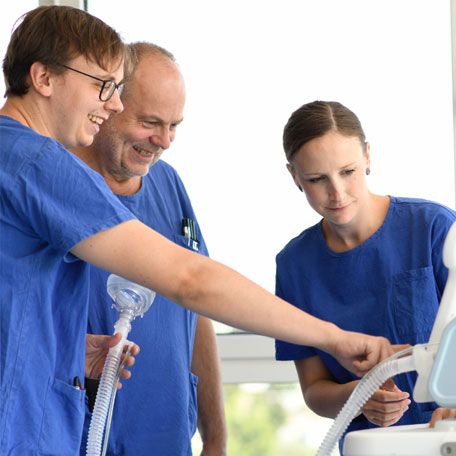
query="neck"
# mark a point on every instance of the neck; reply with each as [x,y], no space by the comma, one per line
[369,220]
[118,185]
[27,112]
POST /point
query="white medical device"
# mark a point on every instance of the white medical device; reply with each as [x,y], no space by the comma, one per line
[130,300]
[435,363]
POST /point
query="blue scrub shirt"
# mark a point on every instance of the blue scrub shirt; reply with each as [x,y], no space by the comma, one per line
[155,412]
[390,285]
[49,202]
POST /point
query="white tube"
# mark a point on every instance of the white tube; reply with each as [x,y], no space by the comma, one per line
[361,394]
[108,382]
[131,300]
[111,406]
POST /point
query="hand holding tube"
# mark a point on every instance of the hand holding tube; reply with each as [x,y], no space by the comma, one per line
[387,405]
[358,352]
[97,348]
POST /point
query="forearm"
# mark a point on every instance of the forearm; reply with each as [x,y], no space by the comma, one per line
[212,427]
[243,304]
[202,285]
[211,415]
[326,397]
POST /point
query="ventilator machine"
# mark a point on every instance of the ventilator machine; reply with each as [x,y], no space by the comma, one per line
[130,300]
[435,364]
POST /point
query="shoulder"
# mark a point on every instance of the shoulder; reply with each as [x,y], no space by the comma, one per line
[419,218]
[33,156]
[306,239]
[21,143]
[165,174]
[162,168]
[421,209]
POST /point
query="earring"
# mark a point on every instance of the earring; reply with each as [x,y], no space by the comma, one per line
[368,171]
[300,188]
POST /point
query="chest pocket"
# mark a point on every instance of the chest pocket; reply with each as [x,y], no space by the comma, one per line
[63,420]
[415,304]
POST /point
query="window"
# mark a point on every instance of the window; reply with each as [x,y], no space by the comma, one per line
[248,65]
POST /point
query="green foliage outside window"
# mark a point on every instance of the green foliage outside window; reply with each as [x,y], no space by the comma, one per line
[270,420]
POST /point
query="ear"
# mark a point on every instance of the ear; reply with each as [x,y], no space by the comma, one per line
[367,155]
[292,171]
[40,78]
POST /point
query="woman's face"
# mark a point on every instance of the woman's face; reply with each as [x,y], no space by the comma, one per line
[331,170]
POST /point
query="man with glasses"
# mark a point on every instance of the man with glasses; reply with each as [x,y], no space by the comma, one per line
[43,215]
[107,88]
[176,379]
[56,211]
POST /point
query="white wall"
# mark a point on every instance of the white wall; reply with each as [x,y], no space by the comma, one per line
[248,64]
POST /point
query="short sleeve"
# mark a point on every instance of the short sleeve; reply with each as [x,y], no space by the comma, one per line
[61,200]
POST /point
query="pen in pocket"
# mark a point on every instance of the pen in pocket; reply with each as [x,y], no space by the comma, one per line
[77,383]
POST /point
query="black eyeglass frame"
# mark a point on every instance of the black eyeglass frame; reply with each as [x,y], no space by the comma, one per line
[103,81]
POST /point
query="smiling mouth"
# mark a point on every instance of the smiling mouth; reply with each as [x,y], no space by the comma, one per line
[338,208]
[96,119]
[145,153]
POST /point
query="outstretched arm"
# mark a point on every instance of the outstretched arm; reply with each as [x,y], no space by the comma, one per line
[211,414]
[134,251]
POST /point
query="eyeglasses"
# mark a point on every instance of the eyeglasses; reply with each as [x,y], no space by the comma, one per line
[108,87]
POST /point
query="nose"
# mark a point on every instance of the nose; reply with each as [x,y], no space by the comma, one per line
[335,190]
[114,104]
[162,138]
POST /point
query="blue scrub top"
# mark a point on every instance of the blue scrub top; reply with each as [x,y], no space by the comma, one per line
[390,285]
[49,202]
[155,412]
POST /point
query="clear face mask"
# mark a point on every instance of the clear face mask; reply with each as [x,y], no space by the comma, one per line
[130,300]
